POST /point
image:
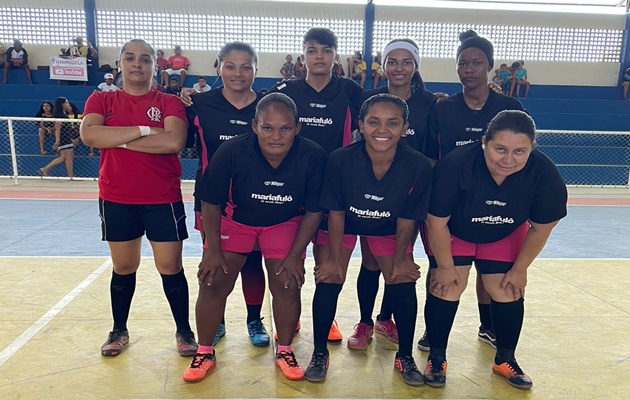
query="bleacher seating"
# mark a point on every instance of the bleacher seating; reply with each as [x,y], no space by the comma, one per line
[552,107]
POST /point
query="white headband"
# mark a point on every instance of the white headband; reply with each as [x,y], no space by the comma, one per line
[401,44]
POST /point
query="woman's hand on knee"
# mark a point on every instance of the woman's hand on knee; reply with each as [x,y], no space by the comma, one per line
[293,268]
[329,270]
[404,268]
[515,281]
[209,265]
[443,280]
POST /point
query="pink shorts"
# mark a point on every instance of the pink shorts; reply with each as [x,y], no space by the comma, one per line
[380,245]
[198,221]
[490,258]
[275,241]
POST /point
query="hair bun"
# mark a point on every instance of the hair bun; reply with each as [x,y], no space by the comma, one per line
[467,35]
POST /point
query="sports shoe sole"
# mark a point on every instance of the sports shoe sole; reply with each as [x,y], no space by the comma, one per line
[113,353]
[360,348]
[411,383]
[423,348]
[529,386]
[485,340]
[386,336]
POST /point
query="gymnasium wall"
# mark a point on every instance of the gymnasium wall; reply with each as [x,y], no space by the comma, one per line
[434,69]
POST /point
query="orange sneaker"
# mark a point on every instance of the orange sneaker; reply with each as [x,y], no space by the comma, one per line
[297,329]
[513,373]
[289,366]
[334,335]
[199,367]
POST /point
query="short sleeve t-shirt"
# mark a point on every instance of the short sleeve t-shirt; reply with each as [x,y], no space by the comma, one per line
[372,206]
[360,67]
[520,74]
[162,63]
[482,211]
[420,104]
[253,193]
[205,88]
[326,116]
[132,177]
[452,123]
[104,87]
[215,121]
[178,62]
[505,75]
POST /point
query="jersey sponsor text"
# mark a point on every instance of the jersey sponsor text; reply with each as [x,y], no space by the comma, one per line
[374,214]
[495,203]
[464,142]
[492,220]
[373,197]
[316,121]
[274,183]
[226,137]
[272,198]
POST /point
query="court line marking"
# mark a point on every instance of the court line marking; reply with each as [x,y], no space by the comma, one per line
[28,334]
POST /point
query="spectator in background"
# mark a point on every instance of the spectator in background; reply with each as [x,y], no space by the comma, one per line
[202,85]
[66,137]
[505,75]
[3,53]
[16,57]
[377,70]
[287,68]
[626,83]
[357,67]
[520,79]
[299,70]
[45,128]
[337,69]
[173,87]
[177,64]
[108,85]
[162,64]
[80,49]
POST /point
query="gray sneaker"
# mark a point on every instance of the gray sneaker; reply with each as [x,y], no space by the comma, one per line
[408,370]
[317,367]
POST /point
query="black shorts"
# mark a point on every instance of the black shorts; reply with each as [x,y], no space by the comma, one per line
[124,222]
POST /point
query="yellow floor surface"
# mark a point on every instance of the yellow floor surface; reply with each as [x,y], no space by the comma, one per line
[575,341]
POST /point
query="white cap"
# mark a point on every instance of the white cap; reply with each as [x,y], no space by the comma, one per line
[109,76]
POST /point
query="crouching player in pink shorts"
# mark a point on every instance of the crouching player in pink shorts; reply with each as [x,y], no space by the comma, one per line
[376,188]
[261,188]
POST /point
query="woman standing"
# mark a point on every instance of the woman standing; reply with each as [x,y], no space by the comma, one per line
[263,188]
[376,188]
[66,138]
[462,119]
[402,63]
[45,128]
[218,116]
[493,203]
[140,133]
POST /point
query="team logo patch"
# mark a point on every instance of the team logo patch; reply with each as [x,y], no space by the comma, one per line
[237,122]
[273,183]
[373,197]
[317,105]
[154,114]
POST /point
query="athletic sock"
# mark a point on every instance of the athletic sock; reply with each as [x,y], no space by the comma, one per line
[204,349]
[405,305]
[367,288]
[485,315]
[386,305]
[121,290]
[324,309]
[176,290]
[253,284]
[508,321]
[282,348]
[439,316]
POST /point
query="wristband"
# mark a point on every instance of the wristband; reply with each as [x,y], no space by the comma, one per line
[124,145]
[144,131]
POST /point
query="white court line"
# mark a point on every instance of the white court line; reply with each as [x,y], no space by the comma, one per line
[28,334]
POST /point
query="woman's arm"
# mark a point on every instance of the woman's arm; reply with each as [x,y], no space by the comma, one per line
[57,134]
[169,140]
[95,134]
[406,230]
[212,259]
[293,264]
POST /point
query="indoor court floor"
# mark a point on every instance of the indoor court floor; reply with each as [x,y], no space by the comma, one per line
[55,314]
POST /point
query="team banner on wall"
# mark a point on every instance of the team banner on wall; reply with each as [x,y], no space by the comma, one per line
[68,68]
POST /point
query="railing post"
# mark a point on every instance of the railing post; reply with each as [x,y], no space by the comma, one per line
[13,152]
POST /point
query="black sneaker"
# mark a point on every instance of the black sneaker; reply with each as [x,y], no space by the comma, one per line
[487,336]
[317,367]
[116,341]
[408,370]
[423,344]
[435,372]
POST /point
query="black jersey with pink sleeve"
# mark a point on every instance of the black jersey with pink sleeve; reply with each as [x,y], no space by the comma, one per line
[483,212]
[372,205]
[133,177]
[420,105]
[213,121]
[252,192]
[452,123]
[327,115]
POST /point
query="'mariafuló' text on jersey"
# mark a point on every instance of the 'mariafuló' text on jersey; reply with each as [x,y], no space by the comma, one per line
[133,177]
[482,211]
[372,206]
[326,116]
[252,192]
[453,124]
[420,104]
